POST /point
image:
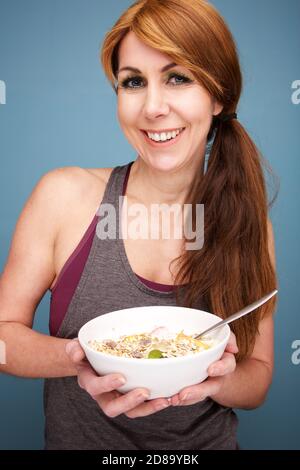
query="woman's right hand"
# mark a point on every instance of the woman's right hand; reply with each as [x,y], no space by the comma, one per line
[102,389]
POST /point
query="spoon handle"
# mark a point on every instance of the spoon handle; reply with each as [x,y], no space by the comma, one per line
[238,314]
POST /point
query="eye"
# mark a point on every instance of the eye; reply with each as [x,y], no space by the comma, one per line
[126,83]
[136,79]
[182,77]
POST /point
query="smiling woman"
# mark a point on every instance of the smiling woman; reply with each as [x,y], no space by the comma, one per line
[175,70]
[171,91]
[202,101]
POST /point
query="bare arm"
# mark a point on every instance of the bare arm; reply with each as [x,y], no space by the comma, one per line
[33,354]
[28,273]
[248,385]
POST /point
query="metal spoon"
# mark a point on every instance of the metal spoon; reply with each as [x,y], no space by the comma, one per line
[238,314]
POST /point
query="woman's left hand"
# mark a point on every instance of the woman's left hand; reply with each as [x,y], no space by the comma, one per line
[212,385]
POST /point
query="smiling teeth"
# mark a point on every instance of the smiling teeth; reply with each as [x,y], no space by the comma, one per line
[164,135]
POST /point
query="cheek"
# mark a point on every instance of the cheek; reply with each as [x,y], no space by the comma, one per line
[127,120]
[197,107]
[121,113]
[200,103]
[128,111]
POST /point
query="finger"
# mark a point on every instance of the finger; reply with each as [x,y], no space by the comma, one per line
[232,344]
[149,407]
[95,385]
[225,365]
[197,393]
[124,403]
[175,399]
[75,351]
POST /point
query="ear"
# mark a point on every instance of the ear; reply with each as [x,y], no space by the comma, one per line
[217,108]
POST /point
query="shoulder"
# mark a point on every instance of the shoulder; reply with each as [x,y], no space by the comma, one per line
[66,183]
[73,178]
[64,191]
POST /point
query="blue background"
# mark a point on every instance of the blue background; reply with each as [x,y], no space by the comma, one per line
[61,111]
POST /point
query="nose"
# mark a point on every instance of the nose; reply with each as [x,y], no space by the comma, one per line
[155,102]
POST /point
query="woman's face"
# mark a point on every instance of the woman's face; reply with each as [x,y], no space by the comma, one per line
[158,101]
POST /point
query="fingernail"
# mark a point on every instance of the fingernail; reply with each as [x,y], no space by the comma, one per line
[118,382]
[164,405]
[69,347]
[214,371]
[186,397]
[143,396]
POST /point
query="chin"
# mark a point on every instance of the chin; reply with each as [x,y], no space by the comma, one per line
[166,164]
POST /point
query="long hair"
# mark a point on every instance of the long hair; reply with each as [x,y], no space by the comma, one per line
[233,268]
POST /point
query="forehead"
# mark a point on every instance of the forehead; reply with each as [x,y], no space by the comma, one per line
[134,52]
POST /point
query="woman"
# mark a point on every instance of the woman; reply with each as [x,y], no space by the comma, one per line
[174,66]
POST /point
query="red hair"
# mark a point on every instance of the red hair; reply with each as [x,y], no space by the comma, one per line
[233,268]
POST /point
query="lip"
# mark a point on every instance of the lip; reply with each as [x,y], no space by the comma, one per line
[168,143]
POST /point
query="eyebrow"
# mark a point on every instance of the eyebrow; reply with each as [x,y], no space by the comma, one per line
[133,69]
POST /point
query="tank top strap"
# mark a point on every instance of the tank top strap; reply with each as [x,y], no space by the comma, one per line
[115,184]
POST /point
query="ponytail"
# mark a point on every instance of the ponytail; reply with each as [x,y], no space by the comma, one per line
[233,268]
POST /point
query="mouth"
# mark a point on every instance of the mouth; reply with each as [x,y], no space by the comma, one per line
[166,143]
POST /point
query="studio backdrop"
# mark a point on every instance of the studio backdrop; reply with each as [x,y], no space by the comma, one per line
[57,109]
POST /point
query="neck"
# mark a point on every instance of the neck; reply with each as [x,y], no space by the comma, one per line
[150,185]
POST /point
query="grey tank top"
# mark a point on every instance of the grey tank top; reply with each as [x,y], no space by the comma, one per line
[73,420]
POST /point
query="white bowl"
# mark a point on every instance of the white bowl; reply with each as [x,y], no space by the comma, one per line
[162,377]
